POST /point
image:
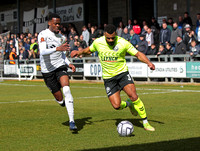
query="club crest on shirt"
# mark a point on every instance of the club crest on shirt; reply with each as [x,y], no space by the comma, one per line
[42,39]
[116,48]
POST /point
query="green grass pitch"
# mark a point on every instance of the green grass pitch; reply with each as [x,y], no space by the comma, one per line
[31,120]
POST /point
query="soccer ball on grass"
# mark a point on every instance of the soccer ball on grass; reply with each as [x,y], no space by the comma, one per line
[125,128]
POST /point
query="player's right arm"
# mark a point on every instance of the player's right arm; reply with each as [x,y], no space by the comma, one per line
[76,53]
[44,50]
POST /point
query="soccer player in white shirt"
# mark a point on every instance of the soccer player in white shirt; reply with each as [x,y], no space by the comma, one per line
[54,65]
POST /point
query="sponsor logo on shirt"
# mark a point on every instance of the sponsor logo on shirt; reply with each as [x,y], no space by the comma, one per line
[109,59]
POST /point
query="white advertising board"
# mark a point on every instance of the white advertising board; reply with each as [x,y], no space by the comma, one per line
[70,13]
[92,70]
[174,70]
[25,69]
[137,69]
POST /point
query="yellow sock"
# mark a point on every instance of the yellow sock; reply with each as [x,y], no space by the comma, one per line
[139,107]
[122,105]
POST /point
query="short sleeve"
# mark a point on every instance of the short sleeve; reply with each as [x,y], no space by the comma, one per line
[93,46]
[131,49]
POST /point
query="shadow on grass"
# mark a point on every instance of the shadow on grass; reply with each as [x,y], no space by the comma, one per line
[190,144]
[135,122]
[80,123]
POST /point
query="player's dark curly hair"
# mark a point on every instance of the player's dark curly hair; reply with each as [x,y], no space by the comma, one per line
[110,29]
[52,15]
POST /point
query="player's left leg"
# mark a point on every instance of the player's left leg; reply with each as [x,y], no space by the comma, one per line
[130,90]
[115,100]
[69,103]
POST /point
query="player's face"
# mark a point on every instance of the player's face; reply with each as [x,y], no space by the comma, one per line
[54,25]
[110,38]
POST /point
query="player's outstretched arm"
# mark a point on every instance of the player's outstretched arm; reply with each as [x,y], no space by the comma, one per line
[144,59]
[63,47]
[76,53]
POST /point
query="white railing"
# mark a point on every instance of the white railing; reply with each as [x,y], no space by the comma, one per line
[31,68]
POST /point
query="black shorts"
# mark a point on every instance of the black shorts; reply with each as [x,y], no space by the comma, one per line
[52,79]
[117,83]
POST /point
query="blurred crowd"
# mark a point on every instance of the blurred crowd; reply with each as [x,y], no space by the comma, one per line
[149,37]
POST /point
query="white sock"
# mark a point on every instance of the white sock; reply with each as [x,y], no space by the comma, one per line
[59,102]
[144,121]
[69,103]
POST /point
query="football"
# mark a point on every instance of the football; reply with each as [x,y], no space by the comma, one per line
[125,128]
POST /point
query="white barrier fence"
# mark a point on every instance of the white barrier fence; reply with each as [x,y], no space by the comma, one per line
[90,68]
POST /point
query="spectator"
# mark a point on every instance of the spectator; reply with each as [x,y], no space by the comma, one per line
[32,54]
[125,34]
[99,31]
[86,35]
[144,30]
[142,45]
[72,32]
[25,52]
[176,32]
[144,22]
[22,53]
[153,50]
[76,45]
[187,19]
[1,51]
[120,29]
[168,49]
[155,32]
[10,48]
[180,22]
[34,48]
[134,38]
[194,49]
[186,28]
[154,23]
[29,36]
[198,20]
[165,34]
[170,23]
[197,31]
[64,31]
[164,20]
[26,44]
[89,25]
[180,46]
[149,38]
[71,43]
[129,25]
[13,56]
[136,27]
[161,50]
[93,35]
[188,37]
[82,42]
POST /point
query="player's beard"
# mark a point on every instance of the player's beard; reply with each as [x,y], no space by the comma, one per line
[111,43]
[56,32]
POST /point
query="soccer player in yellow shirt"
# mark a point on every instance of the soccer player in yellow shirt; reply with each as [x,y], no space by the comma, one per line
[111,51]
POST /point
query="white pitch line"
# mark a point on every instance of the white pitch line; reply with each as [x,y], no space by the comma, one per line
[84,87]
[89,97]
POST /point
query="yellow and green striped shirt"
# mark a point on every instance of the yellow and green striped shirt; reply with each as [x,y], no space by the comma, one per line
[112,58]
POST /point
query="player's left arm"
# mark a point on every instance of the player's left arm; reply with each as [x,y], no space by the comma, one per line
[71,66]
[144,59]
[134,52]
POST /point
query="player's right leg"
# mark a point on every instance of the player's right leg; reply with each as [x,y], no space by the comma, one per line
[138,105]
[113,92]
